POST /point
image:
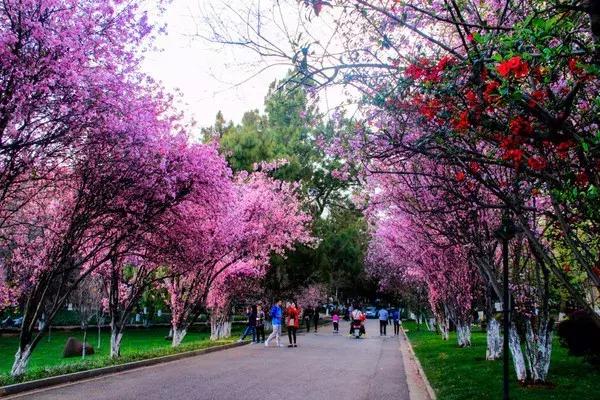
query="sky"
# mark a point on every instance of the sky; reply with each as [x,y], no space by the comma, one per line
[205,74]
[211,77]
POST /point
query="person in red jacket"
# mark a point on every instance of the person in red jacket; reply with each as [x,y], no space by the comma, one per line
[292,322]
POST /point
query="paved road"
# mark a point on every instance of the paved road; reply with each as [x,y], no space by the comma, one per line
[323,366]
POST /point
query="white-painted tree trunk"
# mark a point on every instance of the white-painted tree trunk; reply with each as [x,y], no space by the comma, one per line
[444,327]
[538,349]
[220,330]
[115,344]
[431,325]
[178,335]
[494,340]
[21,360]
[463,334]
[514,344]
[84,340]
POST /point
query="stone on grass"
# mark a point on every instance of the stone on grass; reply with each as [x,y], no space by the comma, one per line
[74,347]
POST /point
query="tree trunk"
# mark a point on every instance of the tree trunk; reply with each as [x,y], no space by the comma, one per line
[514,343]
[178,335]
[444,327]
[83,349]
[538,349]
[21,360]
[99,335]
[463,334]
[220,328]
[494,340]
[115,343]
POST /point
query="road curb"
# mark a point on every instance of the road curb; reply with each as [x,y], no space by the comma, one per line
[420,370]
[92,373]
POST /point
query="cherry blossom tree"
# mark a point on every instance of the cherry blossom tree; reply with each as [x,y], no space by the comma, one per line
[63,65]
[114,187]
[263,216]
[312,296]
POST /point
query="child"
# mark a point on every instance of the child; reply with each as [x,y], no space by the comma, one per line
[336,321]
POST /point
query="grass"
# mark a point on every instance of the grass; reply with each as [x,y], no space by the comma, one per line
[457,373]
[137,344]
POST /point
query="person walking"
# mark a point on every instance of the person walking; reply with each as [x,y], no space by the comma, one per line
[276,314]
[316,318]
[383,321]
[292,323]
[250,324]
[396,319]
[307,316]
[260,324]
[335,317]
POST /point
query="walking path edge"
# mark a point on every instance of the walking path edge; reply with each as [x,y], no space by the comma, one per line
[415,373]
[92,373]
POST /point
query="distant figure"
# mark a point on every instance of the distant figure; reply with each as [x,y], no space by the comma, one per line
[260,324]
[307,315]
[316,318]
[336,321]
[383,321]
[276,314]
[292,323]
[250,324]
[396,319]
[358,317]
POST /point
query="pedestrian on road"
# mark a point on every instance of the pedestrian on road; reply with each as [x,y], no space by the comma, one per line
[396,318]
[276,314]
[292,323]
[316,318]
[358,316]
[250,324]
[383,321]
[336,321]
[307,316]
[260,324]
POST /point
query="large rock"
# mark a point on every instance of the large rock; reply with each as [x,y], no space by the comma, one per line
[74,347]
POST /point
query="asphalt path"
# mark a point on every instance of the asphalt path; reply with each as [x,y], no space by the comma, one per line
[323,366]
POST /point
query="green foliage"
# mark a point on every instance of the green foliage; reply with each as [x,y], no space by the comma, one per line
[289,130]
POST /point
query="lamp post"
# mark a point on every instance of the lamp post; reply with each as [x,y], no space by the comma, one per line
[505,232]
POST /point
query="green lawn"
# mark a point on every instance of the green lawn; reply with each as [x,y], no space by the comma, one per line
[137,344]
[459,374]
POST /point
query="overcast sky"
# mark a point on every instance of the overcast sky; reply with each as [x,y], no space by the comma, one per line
[205,73]
[211,77]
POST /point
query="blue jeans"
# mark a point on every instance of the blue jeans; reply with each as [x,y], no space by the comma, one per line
[250,329]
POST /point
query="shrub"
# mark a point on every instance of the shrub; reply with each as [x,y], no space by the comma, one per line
[579,333]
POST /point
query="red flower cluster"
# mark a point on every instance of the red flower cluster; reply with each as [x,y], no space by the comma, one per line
[537,163]
[490,93]
[515,66]
[520,127]
[562,150]
[460,176]
[462,122]
[575,70]
[516,155]
[427,72]
[471,98]
[474,167]
[430,109]
[537,96]
[581,179]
